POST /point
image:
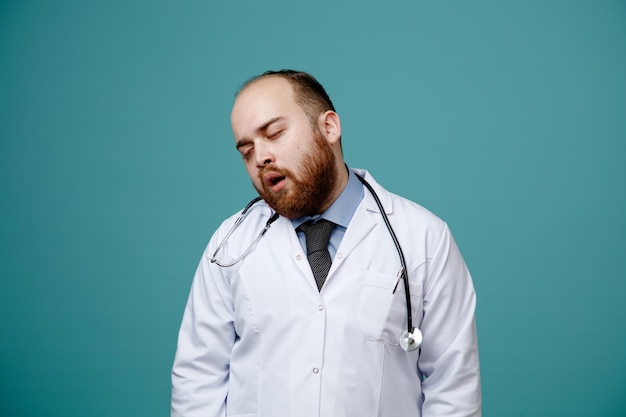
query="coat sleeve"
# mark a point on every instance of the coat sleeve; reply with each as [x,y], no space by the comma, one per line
[201,365]
[449,357]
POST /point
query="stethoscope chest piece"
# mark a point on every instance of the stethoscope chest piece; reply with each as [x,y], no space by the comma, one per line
[411,340]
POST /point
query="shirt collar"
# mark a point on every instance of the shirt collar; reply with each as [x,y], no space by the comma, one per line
[343,208]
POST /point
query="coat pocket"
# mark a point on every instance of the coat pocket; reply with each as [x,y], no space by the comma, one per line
[382,313]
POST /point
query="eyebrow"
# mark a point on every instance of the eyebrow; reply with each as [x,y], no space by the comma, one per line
[261,128]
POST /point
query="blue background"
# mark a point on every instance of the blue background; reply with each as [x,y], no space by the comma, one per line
[507,119]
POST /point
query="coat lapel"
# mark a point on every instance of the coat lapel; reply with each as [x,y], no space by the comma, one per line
[366,217]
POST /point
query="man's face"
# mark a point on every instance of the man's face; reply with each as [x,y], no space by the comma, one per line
[290,163]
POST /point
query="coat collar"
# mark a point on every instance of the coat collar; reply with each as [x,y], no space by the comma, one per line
[383,195]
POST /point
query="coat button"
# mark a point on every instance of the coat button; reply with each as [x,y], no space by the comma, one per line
[316,371]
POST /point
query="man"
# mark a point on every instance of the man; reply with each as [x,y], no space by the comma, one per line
[272,328]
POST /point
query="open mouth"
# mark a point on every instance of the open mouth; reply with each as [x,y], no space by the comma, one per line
[274,181]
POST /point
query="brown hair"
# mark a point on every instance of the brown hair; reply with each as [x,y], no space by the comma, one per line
[309,93]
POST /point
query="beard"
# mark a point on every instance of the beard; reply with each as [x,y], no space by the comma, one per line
[309,193]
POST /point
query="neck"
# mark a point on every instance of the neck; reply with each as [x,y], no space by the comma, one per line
[340,185]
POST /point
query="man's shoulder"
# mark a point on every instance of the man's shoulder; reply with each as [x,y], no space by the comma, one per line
[253,216]
[399,206]
[409,209]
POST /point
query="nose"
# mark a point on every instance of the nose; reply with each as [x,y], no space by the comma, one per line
[263,154]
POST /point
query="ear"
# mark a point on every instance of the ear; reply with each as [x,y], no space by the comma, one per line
[330,126]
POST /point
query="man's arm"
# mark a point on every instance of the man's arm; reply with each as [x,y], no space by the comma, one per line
[206,337]
[449,356]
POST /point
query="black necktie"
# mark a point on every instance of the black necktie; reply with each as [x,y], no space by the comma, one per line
[317,236]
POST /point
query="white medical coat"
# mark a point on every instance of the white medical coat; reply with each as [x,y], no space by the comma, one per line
[259,339]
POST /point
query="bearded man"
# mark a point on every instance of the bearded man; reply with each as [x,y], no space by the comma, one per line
[304,302]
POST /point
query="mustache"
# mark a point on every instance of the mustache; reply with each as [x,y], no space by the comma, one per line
[274,169]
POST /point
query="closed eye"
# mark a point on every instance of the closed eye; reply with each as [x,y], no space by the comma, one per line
[245,150]
[274,134]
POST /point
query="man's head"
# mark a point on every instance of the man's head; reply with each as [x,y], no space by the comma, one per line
[289,136]
[309,93]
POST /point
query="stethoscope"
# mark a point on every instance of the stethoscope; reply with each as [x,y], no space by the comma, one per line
[409,340]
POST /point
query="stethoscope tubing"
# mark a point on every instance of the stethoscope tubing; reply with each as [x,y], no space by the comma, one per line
[215,259]
[405,276]
[411,337]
